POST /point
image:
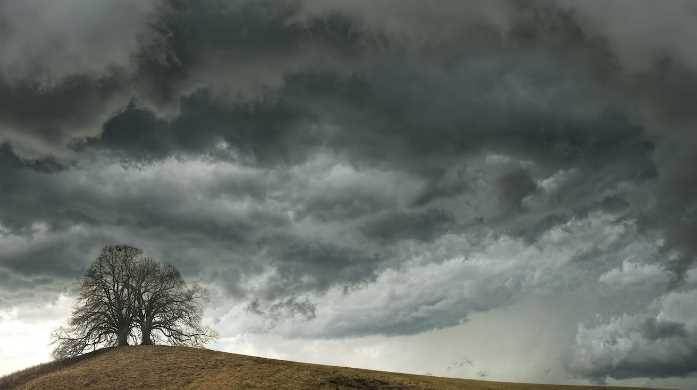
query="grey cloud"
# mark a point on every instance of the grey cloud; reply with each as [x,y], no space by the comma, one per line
[465,109]
[326,264]
[65,65]
[287,308]
[343,204]
[425,226]
[9,160]
[515,186]
[653,329]
[127,203]
[262,129]
[655,64]
[469,108]
[55,258]
[640,32]
[443,282]
[306,156]
[48,41]
[397,111]
[333,97]
[178,42]
[660,344]
[53,113]
[259,39]
[533,229]
[613,204]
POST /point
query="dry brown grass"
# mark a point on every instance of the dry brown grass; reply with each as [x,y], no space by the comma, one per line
[20,377]
[161,367]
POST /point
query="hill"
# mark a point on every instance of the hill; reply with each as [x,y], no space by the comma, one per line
[147,367]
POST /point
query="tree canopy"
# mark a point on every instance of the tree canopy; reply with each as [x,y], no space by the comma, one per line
[125,296]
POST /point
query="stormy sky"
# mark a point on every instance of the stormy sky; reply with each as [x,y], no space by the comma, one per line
[484,189]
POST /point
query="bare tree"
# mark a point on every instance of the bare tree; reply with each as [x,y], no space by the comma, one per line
[105,310]
[124,295]
[169,310]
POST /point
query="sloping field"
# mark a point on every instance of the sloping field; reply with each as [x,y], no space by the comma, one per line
[190,368]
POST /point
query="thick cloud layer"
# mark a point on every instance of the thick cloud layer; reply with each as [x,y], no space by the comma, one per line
[360,169]
[657,344]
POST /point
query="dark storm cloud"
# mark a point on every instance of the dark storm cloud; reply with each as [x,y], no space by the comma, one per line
[262,128]
[64,66]
[655,330]
[326,263]
[50,112]
[163,48]
[302,153]
[171,46]
[395,109]
[438,111]
[515,186]
[425,226]
[343,204]
[661,344]
[46,41]
[56,259]
[10,161]
[290,307]
[237,40]
[533,228]
[655,63]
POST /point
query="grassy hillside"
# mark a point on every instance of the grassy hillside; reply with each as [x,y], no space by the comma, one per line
[189,368]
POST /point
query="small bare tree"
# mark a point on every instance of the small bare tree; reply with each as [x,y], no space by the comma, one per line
[124,295]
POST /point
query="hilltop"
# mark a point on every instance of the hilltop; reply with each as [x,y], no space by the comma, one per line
[160,367]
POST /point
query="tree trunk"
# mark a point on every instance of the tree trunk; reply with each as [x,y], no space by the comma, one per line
[123,336]
[146,331]
[145,338]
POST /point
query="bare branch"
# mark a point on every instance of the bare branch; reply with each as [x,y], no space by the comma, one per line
[126,296]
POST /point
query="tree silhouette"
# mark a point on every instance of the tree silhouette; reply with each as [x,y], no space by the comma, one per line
[168,309]
[124,295]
